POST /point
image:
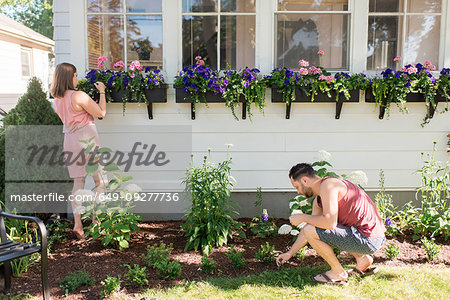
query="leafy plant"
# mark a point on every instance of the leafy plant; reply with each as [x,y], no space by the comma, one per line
[208,265]
[136,274]
[110,285]
[168,270]
[258,201]
[263,229]
[75,280]
[236,258]
[157,253]
[391,251]
[57,232]
[431,248]
[209,223]
[301,254]
[266,253]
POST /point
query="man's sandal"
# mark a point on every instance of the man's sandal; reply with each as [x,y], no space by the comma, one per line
[367,272]
[328,280]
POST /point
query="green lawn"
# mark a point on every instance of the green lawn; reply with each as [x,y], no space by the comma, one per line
[420,282]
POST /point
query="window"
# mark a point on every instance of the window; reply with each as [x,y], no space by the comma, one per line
[134,23]
[231,20]
[406,28]
[25,57]
[303,27]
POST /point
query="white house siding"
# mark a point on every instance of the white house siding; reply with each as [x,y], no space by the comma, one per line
[266,147]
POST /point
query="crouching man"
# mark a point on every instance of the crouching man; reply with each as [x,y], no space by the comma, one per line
[343,216]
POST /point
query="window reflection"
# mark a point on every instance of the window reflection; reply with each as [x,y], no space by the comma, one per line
[104,6]
[313,5]
[238,5]
[147,6]
[200,39]
[237,47]
[383,41]
[199,6]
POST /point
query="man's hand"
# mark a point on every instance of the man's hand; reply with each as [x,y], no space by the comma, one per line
[282,258]
[296,219]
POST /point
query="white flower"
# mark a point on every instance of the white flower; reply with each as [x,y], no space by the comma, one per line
[291,204]
[133,188]
[284,229]
[358,177]
[229,145]
[323,155]
[296,211]
[79,210]
[303,203]
[295,232]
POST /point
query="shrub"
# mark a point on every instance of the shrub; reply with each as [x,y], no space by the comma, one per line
[209,223]
[391,251]
[168,270]
[137,275]
[75,280]
[263,229]
[266,253]
[110,285]
[236,258]
[157,253]
[208,265]
[431,248]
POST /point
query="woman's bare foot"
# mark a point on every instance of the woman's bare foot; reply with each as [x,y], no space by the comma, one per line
[79,233]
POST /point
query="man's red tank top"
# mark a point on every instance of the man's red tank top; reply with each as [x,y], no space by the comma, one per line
[356,208]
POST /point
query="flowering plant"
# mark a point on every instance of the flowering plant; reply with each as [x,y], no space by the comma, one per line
[197,79]
[243,83]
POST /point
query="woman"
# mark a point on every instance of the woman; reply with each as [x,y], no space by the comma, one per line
[77,111]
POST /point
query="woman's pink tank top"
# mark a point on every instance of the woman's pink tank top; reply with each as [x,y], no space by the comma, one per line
[356,208]
[69,116]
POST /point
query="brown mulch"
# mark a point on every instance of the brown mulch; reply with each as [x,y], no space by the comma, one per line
[72,255]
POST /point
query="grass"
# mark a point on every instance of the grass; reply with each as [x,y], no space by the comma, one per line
[422,282]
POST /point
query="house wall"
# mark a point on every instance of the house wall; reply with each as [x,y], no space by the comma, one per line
[266,146]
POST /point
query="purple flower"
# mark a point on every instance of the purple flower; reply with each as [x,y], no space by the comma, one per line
[157,71]
[246,84]
[445,71]
[286,82]
[155,81]
[265,216]
[126,80]
[386,72]
[289,73]
[225,82]
[110,81]
[147,69]
[388,222]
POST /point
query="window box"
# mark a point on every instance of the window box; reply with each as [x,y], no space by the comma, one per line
[301,97]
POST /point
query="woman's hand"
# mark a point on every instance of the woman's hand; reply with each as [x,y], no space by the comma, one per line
[296,219]
[282,258]
[100,86]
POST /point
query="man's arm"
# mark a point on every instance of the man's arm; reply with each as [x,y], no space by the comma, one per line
[329,193]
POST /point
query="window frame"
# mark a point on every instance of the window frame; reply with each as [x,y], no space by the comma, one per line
[124,14]
[29,52]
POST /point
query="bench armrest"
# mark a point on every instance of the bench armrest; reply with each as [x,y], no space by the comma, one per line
[40,224]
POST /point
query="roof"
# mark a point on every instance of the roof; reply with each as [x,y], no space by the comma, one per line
[11,27]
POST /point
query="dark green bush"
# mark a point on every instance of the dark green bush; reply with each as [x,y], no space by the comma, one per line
[75,280]
[157,253]
[168,270]
[266,253]
[236,258]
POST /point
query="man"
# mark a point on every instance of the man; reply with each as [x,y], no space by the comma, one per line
[343,216]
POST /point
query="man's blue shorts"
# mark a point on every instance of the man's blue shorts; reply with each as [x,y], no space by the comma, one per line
[350,239]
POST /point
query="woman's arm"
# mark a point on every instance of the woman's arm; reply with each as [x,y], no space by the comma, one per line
[83,100]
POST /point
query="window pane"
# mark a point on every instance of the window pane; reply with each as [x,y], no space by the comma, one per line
[386,6]
[105,38]
[148,6]
[424,6]
[422,39]
[311,5]
[145,40]
[199,6]
[200,38]
[238,5]
[104,6]
[25,55]
[384,41]
[237,47]
[300,36]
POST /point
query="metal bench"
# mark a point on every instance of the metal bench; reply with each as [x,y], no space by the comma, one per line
[10,250]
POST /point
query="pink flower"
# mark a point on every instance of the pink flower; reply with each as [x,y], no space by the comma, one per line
[200,62]
[198,57]
[322,77]
[398,58]
[411,70]
[303,63]
[119,64]
[135,66]
[403,69]
[100,61]
[303,71]
[320,52]
[329,78]
[427,63]
[431,67]
[314,70]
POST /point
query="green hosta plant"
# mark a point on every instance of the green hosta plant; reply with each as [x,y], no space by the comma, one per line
[168,270]
[209,222]
[157,253]
[136,274]
[431,248]
[266,253]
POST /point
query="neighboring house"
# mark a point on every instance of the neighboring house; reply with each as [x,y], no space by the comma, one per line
[356,36]
[24,53]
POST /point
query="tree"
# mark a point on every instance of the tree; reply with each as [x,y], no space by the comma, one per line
[35,14]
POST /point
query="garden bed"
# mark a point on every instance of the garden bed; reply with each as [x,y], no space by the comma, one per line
[72,255]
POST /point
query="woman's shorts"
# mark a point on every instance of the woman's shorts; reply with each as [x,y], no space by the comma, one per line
[349,239]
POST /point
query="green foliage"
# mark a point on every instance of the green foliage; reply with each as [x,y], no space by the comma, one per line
[383,200]
[208,265]
[75,280]
[35,14]
[266,253]
[57,232]
[301,254]
[431,248]
[391,251]
[209,223]
[136,274]
[258,201]
[263,229]
[434,194]
[157,253]
[168,270]
[236,258]
[110,285]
